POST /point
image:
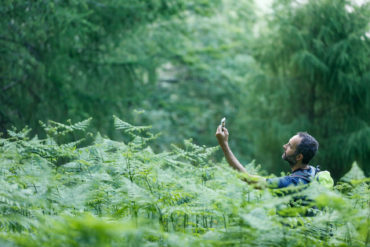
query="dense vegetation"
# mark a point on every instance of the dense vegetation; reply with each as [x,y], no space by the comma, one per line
[317,61]
[182,65]
[99,192]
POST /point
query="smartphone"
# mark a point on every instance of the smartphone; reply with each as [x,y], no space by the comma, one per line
[223,122]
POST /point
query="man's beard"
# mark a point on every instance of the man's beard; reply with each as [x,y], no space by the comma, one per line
[291,158]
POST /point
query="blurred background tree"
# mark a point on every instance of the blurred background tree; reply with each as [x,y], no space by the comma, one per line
[315,77]
[75,59]
[183,65]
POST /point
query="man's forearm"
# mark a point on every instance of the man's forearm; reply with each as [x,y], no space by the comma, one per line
[222,136]
[234,163]
[231,159]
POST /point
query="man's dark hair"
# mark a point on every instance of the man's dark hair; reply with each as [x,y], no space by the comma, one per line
[308,147]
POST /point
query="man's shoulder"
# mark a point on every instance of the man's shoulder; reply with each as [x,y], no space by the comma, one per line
[305,174]
[282,182]
[298,177]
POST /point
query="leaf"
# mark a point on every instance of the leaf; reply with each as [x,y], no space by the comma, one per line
[121,125]
[82,125]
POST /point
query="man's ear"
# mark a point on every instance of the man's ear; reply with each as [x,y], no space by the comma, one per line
[299,157]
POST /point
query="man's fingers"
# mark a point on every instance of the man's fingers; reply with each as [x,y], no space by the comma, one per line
[221,131]
[218,131]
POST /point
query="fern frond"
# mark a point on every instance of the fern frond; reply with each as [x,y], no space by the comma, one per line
[19,135]
[121,125]
[81,125]
[56,129]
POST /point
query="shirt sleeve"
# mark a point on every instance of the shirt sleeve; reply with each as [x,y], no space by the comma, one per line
[282,182]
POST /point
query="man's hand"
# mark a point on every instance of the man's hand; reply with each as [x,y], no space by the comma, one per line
[222,135]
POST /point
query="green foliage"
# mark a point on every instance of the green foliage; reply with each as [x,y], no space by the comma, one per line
[113,193]
[182,65]
[315,78]
[74,59]
[170,64]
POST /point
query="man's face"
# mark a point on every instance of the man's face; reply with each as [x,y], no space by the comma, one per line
[290,150]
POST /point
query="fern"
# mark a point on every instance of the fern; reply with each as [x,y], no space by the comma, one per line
[21,135]
[121,125]
[126,193]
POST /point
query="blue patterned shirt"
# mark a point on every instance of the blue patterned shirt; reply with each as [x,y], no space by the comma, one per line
[298,177]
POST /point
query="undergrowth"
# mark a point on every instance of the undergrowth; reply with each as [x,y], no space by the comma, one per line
[94,191]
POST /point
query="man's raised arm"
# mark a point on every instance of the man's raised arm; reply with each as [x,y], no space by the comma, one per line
[222,136]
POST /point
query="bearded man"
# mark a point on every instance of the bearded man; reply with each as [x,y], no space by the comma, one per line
[298,152]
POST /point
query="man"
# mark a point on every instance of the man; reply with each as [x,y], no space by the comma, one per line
[297,152]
